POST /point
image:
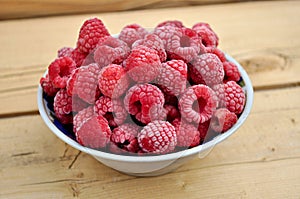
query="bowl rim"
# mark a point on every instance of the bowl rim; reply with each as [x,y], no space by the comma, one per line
[165,157]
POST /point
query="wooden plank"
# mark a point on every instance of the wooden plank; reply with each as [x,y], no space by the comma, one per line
[34,8]
[30,45]
[261,156]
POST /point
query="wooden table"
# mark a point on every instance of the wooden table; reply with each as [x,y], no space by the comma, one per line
[261,160]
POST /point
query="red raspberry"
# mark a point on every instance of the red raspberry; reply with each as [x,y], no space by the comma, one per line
[63,106]
[222,120]
[169,97]
[165,32]
[112,109]
[207,69]
[234,97]
[220,93]
[209,37]
[131,33]
[48,87]
[158,137]
[125,137]
[145,102]
[65,52]
[173,76]
[113,81]
[143,64]
[203,129]
[94,132]
[217,52]
[110,50]
[81,117]
[78,57]
[90,32]
[231,72]
[172,112]
[187,134]
[173,23]
[84,83]
[78,104]
[198,103]
[154,42]
[59,71]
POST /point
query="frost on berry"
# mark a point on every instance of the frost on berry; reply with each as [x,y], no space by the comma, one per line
[209,37]
[198,103]
[222,120]
[131,33]
[65,52]
[145,102]
[231,72]
[173,23]
[47,86]
[63,107]
[234,97]
[158,137]
[81,117]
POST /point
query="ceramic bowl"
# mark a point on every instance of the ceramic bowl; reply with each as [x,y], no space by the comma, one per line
[150,165]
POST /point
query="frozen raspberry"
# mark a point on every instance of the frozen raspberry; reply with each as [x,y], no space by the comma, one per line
[206,69]
[222,120]
[217,52]
[169,97]
[65,52]
[209,37]
[81,117]
[197,103]
[173,23]
[172,112]
[143,64]
[131,33]
[125,137]
[59,71]
[78,104]
[165,32]
[112,109]
[113,81]
[187,134]
[173,76]
[158,137]
[63,106]
[183,44]
[220,93]
[84,83]
[231,72]
[203,129]
[94,132]
[234,97]
[154,42]
[78,57]
[90,32]
[110,50]
[145,102]
[48,87]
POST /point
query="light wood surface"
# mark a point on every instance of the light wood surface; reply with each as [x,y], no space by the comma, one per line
[261,160]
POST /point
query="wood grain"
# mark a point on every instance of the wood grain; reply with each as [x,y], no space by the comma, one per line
[34,8]
[261,156]
[277,56]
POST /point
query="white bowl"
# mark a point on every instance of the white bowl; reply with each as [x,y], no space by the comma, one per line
[151,165]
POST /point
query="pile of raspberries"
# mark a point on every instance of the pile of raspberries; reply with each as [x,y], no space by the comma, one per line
[144,92]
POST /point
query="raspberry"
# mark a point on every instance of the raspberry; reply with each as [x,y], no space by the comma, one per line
[81,117]
[169,97]
[154,42]
[110,50]
[198,103]
[231,72]
[113,81]
[165,32]
[78,57]
[130,33]
[222,120]
[172,112]
[183,44]
[207,69]
[220,93]
[59,71]
[145,102]
[217,52]
[124,137]
[234,97]
[48,87]
[84,83]
[203,129]
[209,37]
[173,76]
[143,64]
[63,106]
[78,104]
[94,132]
[65,52]
[112,109]
[173,23]
[158,137]
[187,134]
[90,32]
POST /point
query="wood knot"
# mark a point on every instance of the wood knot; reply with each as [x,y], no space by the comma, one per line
[262,61]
